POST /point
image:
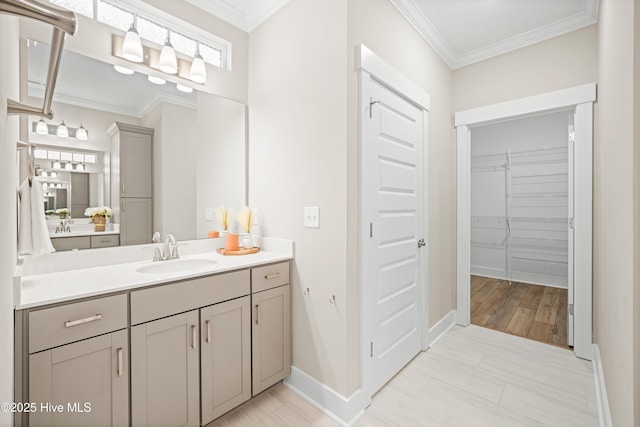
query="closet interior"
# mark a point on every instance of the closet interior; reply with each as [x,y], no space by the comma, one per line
[521,198]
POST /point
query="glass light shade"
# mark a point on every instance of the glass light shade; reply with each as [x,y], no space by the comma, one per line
[168,62]
[81,133]
[156,80]
[41,127]
[68,167]
[44,185]
[183,88]
[80,167]
[198,72]
[56,165]
[58,185]
[123,70]
[132,45]
[53,174]
[62,131]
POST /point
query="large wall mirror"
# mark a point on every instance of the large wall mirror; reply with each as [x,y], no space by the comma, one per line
[199,147]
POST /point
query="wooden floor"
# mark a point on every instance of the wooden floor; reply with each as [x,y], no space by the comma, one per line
[472,377]
[530,311]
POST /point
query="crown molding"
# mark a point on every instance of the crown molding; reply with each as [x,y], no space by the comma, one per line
[246,21]
[416,17]
[158,98]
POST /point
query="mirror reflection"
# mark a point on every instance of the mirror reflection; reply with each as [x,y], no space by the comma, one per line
[197,153]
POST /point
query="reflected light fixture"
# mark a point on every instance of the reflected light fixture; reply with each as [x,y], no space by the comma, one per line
[41,127]
[56,165]
[62,131]
[132,45]
[68,167]
[53,174]
[81,133]
[156,80]
[198,71]
[168,62]
[80,167]
[123,70]
[183,88]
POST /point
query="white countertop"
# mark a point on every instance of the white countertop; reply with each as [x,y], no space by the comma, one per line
[43,285]
[81,233]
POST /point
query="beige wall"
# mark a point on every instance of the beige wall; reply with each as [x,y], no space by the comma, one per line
[378,25]
[298,158]
[558,63]
[636,216]
[9,85]
[614,193]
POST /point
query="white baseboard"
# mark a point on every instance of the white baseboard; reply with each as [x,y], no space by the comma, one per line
[604,413]
[438,330]
[346,411]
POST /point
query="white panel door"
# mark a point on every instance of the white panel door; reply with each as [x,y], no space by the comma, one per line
[393,201]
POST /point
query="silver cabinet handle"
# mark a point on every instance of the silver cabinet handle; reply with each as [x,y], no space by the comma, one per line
[208,323]
[123,189]
[194,336]
[122,207]
[272,276]
[120,369]
[70,323]
[257,314]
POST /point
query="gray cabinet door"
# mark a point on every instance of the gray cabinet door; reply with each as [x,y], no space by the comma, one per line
[165,372]
[135,221]
[89,378]
[226,356]
[271,337]
[79,194]
[135,165]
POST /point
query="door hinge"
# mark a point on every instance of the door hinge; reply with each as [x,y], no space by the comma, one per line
[371,349]
[371,229]
[571,309]
[572,136]
[571,223]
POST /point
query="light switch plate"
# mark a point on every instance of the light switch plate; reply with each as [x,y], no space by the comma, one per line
[312,217]
[208,213]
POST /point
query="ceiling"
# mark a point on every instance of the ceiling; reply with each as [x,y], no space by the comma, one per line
[461,31]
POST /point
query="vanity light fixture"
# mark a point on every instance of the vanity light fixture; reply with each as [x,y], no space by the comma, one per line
[53,174]
[132,45]
[80,167]
[156,80]
[168,62]
[68,167]
[41,127]
[123,70]
[198,71]
[81,133]
[57,165]
[183,88]
[62,131]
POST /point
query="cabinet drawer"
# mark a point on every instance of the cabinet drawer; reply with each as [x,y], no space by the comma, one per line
[105,241]
[269,276]
[166,300]
[68,243]
[56,326]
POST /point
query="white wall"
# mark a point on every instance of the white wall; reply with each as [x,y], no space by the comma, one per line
[9,84]
[616,163]
[298,158]
[558,63]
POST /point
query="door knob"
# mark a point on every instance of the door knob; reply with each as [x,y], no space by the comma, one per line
[421,243]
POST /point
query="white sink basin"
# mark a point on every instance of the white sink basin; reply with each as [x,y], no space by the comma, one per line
[175,266]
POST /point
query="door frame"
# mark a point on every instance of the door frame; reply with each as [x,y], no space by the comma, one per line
[580,99]
[372,67]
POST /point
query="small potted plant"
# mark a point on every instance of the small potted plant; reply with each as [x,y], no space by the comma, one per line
[49,212]
[62,213]
[98,216]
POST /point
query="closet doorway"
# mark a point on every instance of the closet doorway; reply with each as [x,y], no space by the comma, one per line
[524,220]
[520,195]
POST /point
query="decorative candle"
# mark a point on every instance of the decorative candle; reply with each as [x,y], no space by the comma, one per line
[232,242]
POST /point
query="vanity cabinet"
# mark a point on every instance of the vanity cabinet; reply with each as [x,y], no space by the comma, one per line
[77,357]
[85,242]
[271,325]
[164,372]
[132,181]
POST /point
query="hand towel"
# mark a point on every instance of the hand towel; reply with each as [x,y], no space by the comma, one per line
[33,234]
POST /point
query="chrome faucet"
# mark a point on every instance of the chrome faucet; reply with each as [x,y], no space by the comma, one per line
[170,250]
[64,227]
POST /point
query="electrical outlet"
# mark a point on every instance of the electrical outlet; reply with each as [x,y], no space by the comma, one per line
[208,213]
[312,217]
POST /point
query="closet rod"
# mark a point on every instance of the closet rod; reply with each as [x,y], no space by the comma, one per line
[531,150]
[63,21]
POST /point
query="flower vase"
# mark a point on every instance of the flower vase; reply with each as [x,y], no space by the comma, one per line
[246,241]
[99,222]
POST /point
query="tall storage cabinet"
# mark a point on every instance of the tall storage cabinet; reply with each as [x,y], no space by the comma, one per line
[132,181]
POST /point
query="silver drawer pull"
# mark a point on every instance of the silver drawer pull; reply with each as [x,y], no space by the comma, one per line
[70,323]
[194,336]
[257,314]
[208,323]
[120,369]
[272,276]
